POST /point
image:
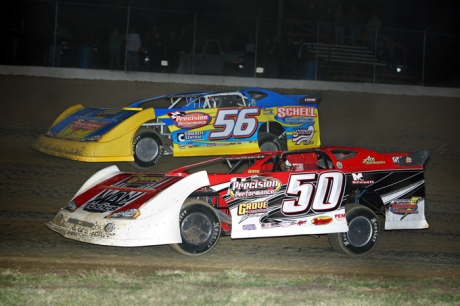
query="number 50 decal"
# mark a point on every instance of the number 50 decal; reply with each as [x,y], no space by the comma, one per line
[327,196]
[234,122]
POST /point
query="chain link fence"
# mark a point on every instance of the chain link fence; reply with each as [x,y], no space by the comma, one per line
[74,35]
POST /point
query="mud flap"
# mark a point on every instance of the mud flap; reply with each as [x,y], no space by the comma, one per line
[406,214]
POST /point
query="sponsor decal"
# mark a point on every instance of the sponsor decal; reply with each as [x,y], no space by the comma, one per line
[296,111]
[358,178]
[244,157]
[371,161]
[396,159]
[249,227]
[297,120]
[219,144]
[111,200]
[86,125]
[189,121]
[181,137]
[269,225]
[144,182]
[107,113]
[286,223]
[339,165]
[405,207]
[303,136]
[322,220]
[253,171]
[252,208]
[278,225]
[302,222]
[268,111]
[340,217]
[253,187]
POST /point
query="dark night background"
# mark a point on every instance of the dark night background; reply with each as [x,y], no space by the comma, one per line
[436,21]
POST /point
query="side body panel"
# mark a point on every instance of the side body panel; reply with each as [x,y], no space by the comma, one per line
[235,130]
[283,203]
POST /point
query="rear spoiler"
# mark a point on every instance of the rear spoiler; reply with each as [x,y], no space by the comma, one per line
[313,98]
[414,159]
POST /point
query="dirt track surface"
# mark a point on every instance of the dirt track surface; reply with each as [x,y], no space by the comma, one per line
[34,186]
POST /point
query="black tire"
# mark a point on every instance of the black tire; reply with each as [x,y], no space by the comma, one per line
[199,228]
[269,142]
[148,149]
[363,232]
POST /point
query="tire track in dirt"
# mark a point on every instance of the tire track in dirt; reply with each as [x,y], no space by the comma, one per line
[35,186]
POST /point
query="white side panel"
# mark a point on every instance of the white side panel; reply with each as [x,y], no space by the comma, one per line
[159,219]
[157,224]
[406,214]
[330,222]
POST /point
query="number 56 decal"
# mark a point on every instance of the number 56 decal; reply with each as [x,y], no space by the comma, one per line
[326,197]
[234,122]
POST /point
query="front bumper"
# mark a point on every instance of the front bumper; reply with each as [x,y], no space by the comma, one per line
[84,151]
[112,232]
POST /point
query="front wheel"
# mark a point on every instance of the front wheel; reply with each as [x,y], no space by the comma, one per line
[199,228]
[363,232]
[269,143]
[148,149]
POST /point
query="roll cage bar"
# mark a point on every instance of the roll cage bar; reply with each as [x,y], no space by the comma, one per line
[263,162]
[201,100]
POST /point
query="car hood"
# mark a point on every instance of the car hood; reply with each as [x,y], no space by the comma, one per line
[124,191]
[89,124]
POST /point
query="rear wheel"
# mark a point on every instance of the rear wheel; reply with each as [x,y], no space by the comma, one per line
[268,142]
[363,232]
[148,149]
[199,228]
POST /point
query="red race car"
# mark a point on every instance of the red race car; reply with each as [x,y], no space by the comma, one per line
[336,191]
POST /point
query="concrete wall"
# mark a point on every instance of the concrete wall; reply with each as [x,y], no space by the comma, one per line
[239,82]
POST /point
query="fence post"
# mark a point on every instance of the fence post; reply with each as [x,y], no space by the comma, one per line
[54,36]
[127,32]
[424,51]
[375,53]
